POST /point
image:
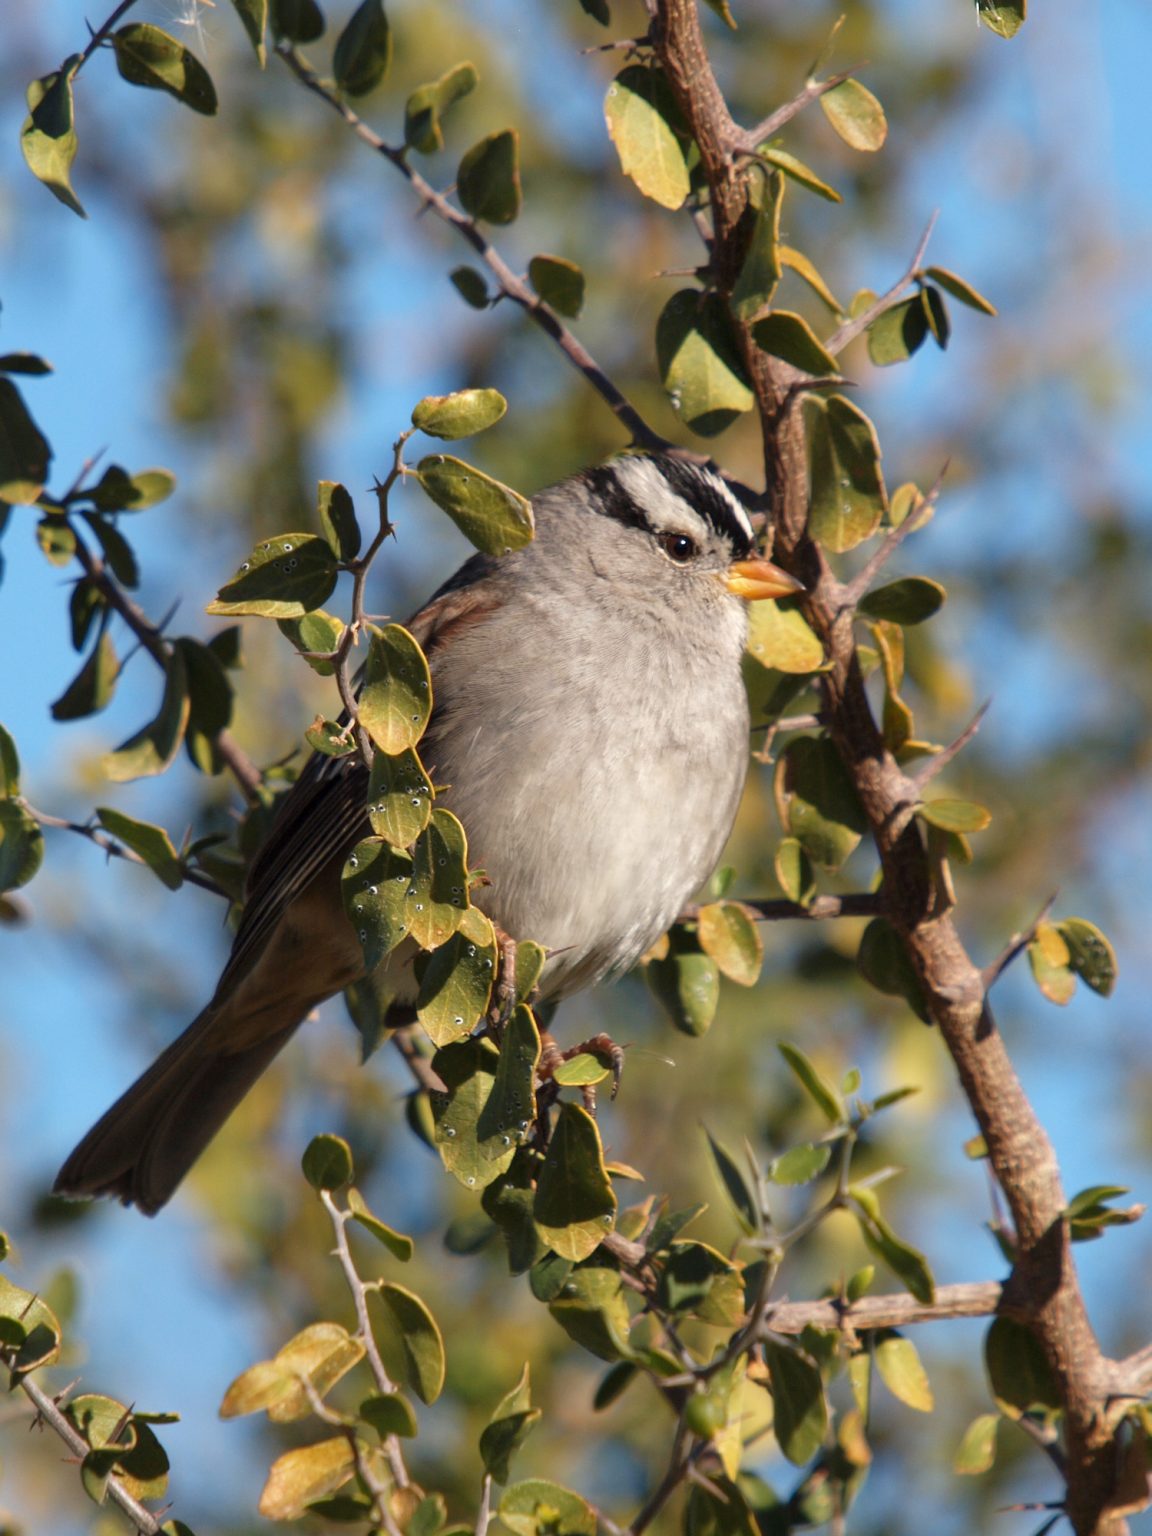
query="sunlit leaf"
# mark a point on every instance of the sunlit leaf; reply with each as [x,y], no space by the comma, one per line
[961,290]
[48,139]
[146,55]
[299,1477]
[461,414]
[575,1204]
[409,1340]
[645,126]
[731,938]
[284,578]
[699,362]
[424,109]
[901,1370]
[152,843]
[780,638]
[846,484]
[396,694]
[494,517]
[856,115]
[798,172]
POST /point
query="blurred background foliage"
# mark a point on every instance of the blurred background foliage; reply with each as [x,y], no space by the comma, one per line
[256,303]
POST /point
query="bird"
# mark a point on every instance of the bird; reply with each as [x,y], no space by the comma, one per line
[590,724]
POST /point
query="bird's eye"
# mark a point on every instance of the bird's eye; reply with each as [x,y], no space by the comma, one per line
[678,547]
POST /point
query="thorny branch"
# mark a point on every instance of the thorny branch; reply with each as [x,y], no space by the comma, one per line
[1044,1287]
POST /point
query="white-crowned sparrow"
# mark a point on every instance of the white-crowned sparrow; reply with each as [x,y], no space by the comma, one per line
[591,725]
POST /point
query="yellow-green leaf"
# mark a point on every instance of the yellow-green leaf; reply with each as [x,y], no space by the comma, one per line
[699,362]
[1003,17]
[148,56]
[731,938]
[284,578]
[910,600]
[396,695]
[467,1068]
[428,104]
[790,337]
[438,893]
[48,137]
[822,810]
[644,125]
[761,269]
[300,1477]
[846,485]
[320,1355]
[977,1449]
[961,816]
[538,1508]
[800,1410]
[461,414]
[898,332]
[374,888]
[399,797]
[901,1370]
[961,290]
[856,115]
[494,517]
[152,843]
[455,987]
[798,172]
[779,637]
[575,1204]
[806,270]
[1090,954]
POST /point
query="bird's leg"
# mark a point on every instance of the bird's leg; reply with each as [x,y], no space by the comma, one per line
[602,1046]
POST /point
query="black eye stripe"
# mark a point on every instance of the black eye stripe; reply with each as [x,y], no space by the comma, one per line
[699,489]
[613,500]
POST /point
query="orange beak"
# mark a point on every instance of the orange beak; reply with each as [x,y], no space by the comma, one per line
[759,578]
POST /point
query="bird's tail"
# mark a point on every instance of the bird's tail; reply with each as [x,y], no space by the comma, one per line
[144,1145]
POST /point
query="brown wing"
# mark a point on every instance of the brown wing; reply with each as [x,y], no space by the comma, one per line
[322,816]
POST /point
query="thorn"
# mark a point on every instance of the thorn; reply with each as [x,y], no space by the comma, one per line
[991,974]
[937,764]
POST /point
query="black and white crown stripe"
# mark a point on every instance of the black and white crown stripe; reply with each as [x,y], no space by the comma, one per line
[636,487]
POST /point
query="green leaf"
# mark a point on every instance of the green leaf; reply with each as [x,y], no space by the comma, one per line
[581,1071]
[846,485]
[438,892]
[894,335]
[338,519]
[823,812]
[455,988]
[507,1429]
[467,1068]
[539,1508]
[461,414]
[644,124]
[284,578]
[116,550]
[790,337]
[315,635]
[798,172]
[613,1384]
[936,315]
[48,138]
[329,738]
[731,938]
[363,50]
[374,887]
[961,816]
[399,1246]
[901,1370]
[494,517]
[424,109]
[300,1477]
[389,1414]
[977,1449]
[152,844]
[598,10]
[27,1323]
[1003,17]
[253,15]
[56,540]
[298,21]
[856,115]
[1090,954]
[409,1341]
[559,283]
[399,797]
[91,688]
[883,962]
[511,1106]
[735,1184]
[9,772]
[904,1260]
[794,871]
[780,638]
[697,1279]
[471,287]
[488,179]
[800,1411]
[699,362]
[21,854]
[396,694]
[152,749]
[910,600]
[1050,960]
[327,1162]
[800,1165]
[760,271]
[814,1083]
[687,983]
[530,961]
[1018,1369]
[960,290]
[575,1205]
[148,56]
[25,453]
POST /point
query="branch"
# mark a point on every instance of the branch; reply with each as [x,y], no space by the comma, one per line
[115,849]
[103,33]
[772,910]
[243,769]
[853,591]
[511,285]
[48,1410]
[980,1298]
[853,328]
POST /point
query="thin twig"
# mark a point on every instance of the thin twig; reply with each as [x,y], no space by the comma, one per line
[241,766]
[853,328]
[667,1486]
[747,140]
[1016,945]
[980,1298]
[49,1411]
[773,910]
[851,592]
[115,849]
[512,286]
[937,763]
[102,33]
[359,1291]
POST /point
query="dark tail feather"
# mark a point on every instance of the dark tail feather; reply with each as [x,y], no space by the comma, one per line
[141,1149]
